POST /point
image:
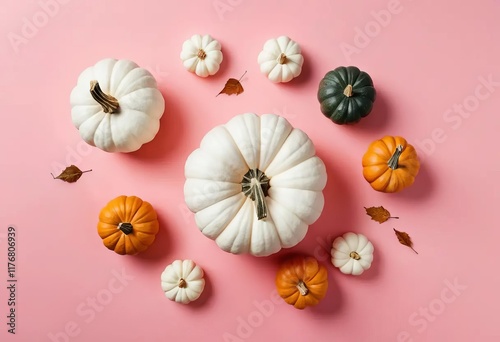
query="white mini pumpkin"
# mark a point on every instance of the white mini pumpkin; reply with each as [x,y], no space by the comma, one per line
[116,106]
[201,55]
[255,184]
[281,59]
[352,253]
[183,281]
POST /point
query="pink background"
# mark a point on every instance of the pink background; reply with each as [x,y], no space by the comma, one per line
[428,57]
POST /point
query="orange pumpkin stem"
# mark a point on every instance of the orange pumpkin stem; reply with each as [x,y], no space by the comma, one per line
[348,90]
[282,59]
[108,103]
[182,283]
[393,162]
[301,286]
[126,228]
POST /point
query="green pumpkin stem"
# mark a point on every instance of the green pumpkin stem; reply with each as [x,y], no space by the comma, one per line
[108,103]
[255,185]
[393,162]
[126,228]
[301,286]
[348,90]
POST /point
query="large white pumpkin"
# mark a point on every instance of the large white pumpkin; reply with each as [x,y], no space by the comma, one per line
[255,184]
[116,106]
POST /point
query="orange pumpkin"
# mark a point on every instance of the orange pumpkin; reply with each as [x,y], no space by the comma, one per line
[302,281]
[390,164]
[128,225]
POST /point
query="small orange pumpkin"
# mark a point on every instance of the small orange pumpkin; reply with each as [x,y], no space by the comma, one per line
[128,225]
[302,281]
[390,164]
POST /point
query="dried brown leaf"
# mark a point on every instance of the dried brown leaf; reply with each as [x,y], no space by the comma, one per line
[404,239]
[70,174]
[379,214]
[233,86]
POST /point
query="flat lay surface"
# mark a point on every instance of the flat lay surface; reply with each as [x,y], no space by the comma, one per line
[435,67]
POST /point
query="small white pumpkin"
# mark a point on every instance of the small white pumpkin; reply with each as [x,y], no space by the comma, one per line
[281,59]
[116,106]
[202,55]
[183,281]
[352,253]
[255,184]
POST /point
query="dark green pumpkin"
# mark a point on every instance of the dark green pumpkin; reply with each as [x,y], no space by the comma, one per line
[346,95]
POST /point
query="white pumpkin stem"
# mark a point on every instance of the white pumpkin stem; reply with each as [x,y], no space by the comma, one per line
[126,227]
[202,54]
[108,103]
[182,283]
[301,286]
[282,59]
[348,90]
[393,162]
[255,185]
[355,255]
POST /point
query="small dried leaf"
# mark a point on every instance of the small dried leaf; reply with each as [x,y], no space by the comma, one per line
[379,214]
[404,239]
[70,174]
[233,86]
